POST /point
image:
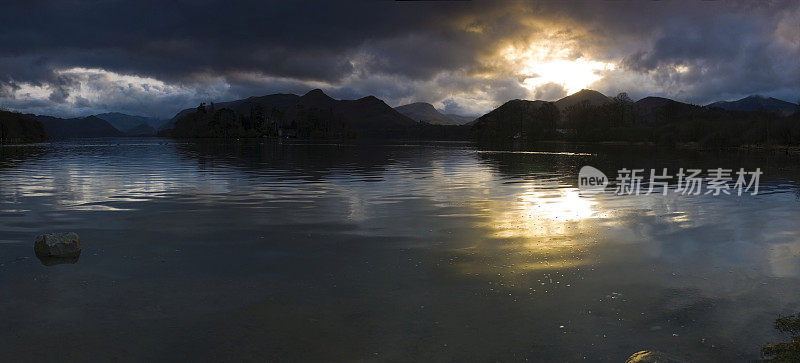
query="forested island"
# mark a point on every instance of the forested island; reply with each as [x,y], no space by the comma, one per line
[314,115]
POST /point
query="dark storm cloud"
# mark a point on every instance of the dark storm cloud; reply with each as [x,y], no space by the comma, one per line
[174,39]
[726,51]
[447,52]
[61,88]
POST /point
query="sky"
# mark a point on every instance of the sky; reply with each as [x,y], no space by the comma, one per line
[154,58]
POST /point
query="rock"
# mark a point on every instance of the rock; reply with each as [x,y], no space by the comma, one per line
[52,261]
[58,245]
[651,356]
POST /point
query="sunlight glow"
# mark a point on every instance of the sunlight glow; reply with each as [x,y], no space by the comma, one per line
[548,62]
[573,75]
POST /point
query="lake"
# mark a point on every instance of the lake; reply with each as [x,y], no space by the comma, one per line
[288,251]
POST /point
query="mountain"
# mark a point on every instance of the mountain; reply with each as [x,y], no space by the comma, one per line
[313,115]
[648,104]
[594,98]
[425,112]
[267,103]
[91,126]
[125,123]
[460,120]
[757,103]
[517,119]
[16,127]
[658,110]
[368,115]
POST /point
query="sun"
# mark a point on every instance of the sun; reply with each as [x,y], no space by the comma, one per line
[546,62]
[573,75]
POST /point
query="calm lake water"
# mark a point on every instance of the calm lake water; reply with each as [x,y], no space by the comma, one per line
[286,252]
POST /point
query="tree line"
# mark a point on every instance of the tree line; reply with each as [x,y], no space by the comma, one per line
[622,120]
[308,123]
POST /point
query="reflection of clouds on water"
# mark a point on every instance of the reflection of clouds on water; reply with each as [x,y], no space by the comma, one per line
[702,233]
[785,257]
[491,223]
[95,176]
[523,199]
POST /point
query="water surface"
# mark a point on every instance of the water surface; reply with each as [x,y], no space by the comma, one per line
[291,251]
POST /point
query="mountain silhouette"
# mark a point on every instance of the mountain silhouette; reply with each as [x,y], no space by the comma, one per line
[425,112]
[594,98]
[517,119]
[268,102]
[314,114]
[368,114]
[126,123]
[18,128]
[91,126]
[757,103]
[659,109]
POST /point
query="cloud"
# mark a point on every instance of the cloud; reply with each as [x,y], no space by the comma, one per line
[8,89]
[61,88]
[452,54]
[550,92]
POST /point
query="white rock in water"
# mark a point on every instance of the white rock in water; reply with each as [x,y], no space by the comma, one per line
[651,356]
[63,245]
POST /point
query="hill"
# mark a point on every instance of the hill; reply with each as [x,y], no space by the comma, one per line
[18,128]
[593,98]
[518,119]
[126,123]
[371,115]
[655,120]
[91,126]
[460,120]
[366,115]
[267,103]
[425,112]
[659,110]
[313,115]
[757,103]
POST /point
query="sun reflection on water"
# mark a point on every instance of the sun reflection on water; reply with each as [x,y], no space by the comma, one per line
[542,212]
[542,227]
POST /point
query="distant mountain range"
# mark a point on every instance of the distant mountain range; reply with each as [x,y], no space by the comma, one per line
[316,114]
[132,125]
[103,125]
[425,112]
[90,126]
[757,103]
